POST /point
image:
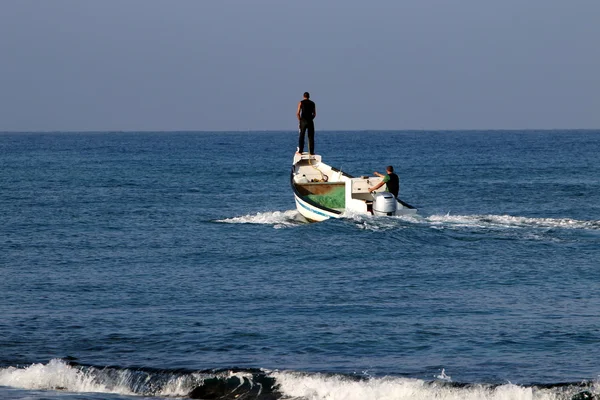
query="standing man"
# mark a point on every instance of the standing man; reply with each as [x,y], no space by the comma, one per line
[307,111]
[391,180]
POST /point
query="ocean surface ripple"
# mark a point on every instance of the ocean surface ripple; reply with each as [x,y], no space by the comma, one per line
[174,265]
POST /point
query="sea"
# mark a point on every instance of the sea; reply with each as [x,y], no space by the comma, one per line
[174,265]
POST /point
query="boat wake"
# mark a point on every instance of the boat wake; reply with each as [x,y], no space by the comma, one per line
[258,384]
[291,218]
[485,222]
[279,219]
[507,221]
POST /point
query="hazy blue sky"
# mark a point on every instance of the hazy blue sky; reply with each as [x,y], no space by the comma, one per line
[244,64]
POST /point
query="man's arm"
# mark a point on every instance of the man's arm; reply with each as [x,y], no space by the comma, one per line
[298,111]
[374,188]
[385,179]
[315,113]
[378,174]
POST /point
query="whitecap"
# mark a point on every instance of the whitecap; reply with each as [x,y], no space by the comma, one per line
[317,387]
[56,375]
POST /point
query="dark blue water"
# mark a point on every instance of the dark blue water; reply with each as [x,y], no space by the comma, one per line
[175,265]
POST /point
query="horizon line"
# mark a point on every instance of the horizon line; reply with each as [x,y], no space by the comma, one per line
[293,130]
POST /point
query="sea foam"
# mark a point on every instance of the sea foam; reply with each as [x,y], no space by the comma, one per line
[508,221]
[335,387]
[279,219]
[58,375]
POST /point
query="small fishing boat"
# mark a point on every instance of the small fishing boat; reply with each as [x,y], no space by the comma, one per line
[324,192]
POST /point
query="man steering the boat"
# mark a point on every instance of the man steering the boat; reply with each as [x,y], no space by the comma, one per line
[306,113]
[391,181]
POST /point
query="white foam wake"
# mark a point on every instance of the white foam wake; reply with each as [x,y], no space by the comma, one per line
[282,219]
[379,223]
[508,221]
[279,219]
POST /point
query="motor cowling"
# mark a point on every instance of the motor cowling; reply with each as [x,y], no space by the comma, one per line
[384,204]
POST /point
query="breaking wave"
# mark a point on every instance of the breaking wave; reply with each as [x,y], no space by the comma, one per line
[210,384]
[258,384]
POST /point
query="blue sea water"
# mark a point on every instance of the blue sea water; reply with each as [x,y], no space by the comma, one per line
[174,265]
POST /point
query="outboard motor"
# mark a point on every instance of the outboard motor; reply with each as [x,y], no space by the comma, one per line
[384,203]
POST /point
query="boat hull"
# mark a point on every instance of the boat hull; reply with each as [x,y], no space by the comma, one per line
[312,212]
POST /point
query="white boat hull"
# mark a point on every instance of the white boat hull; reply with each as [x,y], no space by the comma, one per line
[322,192]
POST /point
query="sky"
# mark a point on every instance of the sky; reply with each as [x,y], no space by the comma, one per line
[218,65]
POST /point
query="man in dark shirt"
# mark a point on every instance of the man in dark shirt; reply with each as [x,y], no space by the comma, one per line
[307,111]
[391,181]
